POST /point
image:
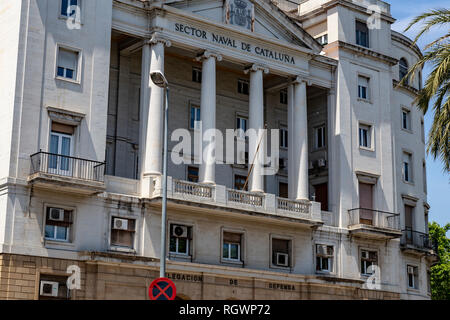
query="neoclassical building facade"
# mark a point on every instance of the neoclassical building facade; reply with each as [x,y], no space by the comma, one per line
[344,214]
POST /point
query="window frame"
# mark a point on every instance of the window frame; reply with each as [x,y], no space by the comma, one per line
[195,106]
[407,112]
[241,86]
[369,137]
[358,21]
[71,230]
[368,250]
[291,250]
[283,97]
[284,137]
[416,284]
[196,72]
[190,246]
[241,117]
[330,258]
[410,165]
[115,247]
[79,63]
[322,128]
[65,17]
[402,73]
[241,246]
[368,88]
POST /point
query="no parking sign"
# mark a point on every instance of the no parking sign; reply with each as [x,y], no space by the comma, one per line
[162,289]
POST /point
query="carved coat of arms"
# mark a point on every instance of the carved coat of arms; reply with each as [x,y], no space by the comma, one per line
[240,13]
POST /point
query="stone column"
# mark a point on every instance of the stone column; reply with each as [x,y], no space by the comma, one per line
[256,124]
[152,112]
[292,181]
[207,172]
[300,150]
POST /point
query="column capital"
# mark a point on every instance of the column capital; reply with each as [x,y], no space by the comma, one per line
[300,79]
[208,54]
[156,38]
[256,67]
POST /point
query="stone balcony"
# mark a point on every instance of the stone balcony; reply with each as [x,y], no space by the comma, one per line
[67,174]
[374,224]
[219,196]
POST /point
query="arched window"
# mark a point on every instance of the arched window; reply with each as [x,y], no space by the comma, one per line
[403,69]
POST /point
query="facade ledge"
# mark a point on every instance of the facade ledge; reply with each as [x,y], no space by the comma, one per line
[356,49]
[371,232]
[404,87]
[66,184]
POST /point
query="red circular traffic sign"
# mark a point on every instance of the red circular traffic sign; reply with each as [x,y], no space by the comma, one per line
[162,289]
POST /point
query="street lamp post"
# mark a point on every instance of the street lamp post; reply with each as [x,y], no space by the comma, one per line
[159,80]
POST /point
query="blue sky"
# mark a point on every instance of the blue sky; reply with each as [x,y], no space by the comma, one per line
[438,182]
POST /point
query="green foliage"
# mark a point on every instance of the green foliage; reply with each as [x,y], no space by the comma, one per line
[437,85]
[440,273]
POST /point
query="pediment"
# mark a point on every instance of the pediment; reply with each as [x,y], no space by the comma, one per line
[257,16]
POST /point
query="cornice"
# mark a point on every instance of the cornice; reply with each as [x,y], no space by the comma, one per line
[363,51]
[396,36]
[344,3]
[405,87]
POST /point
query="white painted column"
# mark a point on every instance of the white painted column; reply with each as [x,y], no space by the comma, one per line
[256,124]
[144,104]
[292,181]
[152,162]
[300,150]
[207,172]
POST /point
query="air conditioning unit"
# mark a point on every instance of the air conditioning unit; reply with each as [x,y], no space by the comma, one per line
[311,165]
[321,163]
[410,270]
[56,214]
[322,249]
[364,254]
[282,259]
[179,231]
[49,288]
[120,224]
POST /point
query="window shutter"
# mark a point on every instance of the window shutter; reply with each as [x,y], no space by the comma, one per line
[232,237]
[68,60]
[62,128]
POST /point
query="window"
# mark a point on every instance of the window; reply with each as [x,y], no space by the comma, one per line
[122,232]
[283,190]
[197,75]
[368,258]
[192,174]
[283,137]
[406,119]
[53,287]
[422,129]
[362,34]
[283,96]
[180,239]
[243,86]
[403,70]
[239,182]
[407,167]
[195,117]
[281,252]
[324,258]
[319,137]
[231,247]
[61,148]
[323,40]
[58,223]
[67,64]
[66,7]
[365,139]
[413,277]
[241,123]
[363,87]
[321,195]
[424,176]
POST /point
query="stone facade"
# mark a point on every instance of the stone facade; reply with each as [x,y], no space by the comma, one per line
[274,75]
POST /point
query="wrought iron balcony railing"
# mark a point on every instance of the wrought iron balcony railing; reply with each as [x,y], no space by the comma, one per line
[417,239]
[66,166]
[375,218]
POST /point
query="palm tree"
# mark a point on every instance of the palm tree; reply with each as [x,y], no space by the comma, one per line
[437,85]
